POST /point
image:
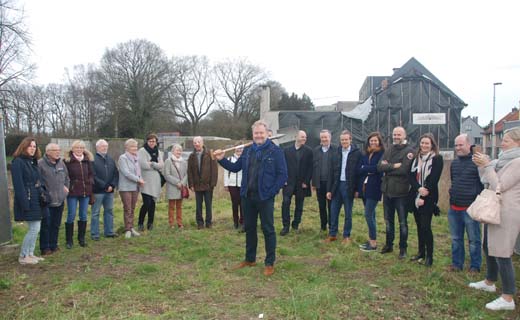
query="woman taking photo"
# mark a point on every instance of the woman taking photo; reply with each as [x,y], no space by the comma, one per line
[151,162]
[129,183]
[81,174]
[424,178]
[370,186]
[27,189]
[175,173]
[503,176]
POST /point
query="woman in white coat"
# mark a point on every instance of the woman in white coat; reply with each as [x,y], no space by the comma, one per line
[175,173]
[503,176]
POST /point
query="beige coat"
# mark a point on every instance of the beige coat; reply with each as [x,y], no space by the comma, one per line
[172,178]
[150,173]
[502,237]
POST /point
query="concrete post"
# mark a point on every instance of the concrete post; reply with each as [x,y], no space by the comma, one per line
[6,233]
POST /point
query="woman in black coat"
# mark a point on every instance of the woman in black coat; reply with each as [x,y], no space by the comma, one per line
[27,191]
[424,177]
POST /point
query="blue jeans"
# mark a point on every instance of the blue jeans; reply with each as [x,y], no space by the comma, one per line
[253,207]
[370,217]
[29,241]
[458,221]
[50,228]
[72,203]
[390,206]
[107,201]
[341,198]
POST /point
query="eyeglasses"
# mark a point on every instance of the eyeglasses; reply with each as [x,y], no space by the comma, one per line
[54,149]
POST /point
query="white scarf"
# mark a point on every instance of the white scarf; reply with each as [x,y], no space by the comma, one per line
[422,166]
[79,158]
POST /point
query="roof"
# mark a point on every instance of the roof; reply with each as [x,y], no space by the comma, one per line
[472,119]
[499,127]
[413,69]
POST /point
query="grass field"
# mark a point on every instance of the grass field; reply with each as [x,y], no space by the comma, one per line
[171,274]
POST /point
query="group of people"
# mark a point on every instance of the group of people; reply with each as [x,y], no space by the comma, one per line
[403,176]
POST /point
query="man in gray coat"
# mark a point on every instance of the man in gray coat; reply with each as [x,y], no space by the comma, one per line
[55,178]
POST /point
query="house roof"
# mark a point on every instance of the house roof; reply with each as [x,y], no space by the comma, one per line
[413,69]
[472,119]
[499,127]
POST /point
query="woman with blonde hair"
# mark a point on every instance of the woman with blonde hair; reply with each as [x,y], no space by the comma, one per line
[81,174]
[27,189]
[503,176]
[175,173]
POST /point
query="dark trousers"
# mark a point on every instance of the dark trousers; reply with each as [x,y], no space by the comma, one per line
[50,228]
[324,204]
[390,206]
[234,192]
[423,220]
[502,266]
[286,211]
[253,207]
[207,196]
[147,207]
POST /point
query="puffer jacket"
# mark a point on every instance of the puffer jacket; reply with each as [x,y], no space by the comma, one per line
[81,174]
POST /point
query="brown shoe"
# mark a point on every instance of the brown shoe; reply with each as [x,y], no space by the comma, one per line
[452,268]
[330,239]
[46,252]
[346,241]
[268,271]
[244,264]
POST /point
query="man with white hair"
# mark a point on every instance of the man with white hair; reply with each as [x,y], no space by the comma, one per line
[106,178]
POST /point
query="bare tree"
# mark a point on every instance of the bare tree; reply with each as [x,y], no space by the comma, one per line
[193,93]
[238,78]
[14,43]
[136,76]
[58,101]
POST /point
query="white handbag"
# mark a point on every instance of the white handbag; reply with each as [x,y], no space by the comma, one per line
[486,207]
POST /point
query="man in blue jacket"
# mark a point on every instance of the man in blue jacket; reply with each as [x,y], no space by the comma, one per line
[465,187]
[106,178]
[264,172]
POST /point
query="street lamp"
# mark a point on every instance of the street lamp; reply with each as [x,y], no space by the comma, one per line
[493,138]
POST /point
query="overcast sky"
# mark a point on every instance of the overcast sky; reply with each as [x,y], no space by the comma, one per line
[323,48]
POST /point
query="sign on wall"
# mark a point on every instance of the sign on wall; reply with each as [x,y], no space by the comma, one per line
[429,118]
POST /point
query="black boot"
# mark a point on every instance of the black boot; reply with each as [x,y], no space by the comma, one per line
[69,233]
[82,229]
[285,231]
[418,257]
[150,226]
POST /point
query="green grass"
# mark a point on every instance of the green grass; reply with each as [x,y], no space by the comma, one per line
[171,274]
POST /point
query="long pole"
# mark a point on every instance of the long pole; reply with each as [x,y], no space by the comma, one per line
[6,234]
[493,136]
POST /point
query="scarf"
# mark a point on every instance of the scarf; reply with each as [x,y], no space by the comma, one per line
[135,162]
[176,161]
[258,149]
[154,153]
[372,151]
[505,157]
[422,166]
[79,158]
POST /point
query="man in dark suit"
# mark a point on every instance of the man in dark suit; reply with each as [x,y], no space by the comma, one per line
[322,174]
[299,169]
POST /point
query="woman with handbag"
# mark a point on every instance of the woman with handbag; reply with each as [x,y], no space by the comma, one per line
[27,189]
[424,176]
[151,162]
[79,162]
[503,176]
[370,186]
[175,173]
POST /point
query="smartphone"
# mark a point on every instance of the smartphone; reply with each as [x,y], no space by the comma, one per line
[477,149]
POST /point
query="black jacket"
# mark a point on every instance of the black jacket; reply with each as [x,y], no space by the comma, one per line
[352,173]
[316,159]
[465,181]
[431,183]
[297,176]
[27,188]
[395,181]
[105,173]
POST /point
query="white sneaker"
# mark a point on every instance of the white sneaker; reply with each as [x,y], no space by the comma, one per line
[128,235]
[482,285]
[135,233]
[501,304]
[27,260]
[37,258]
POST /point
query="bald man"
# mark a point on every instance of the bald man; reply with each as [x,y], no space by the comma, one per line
[298,158]
[395,164]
